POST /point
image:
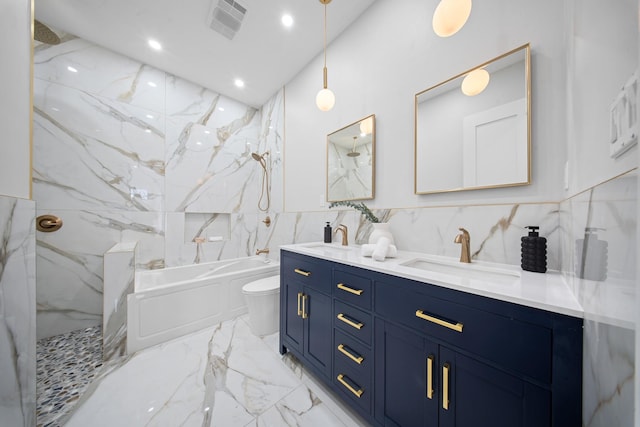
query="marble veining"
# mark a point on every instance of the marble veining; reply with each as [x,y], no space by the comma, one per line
[606,287]
[223,375]
[17,312]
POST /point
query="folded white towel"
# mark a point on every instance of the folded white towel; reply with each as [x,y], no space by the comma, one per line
[368,248]
[382,247]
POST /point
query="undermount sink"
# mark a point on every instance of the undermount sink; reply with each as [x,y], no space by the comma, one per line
[327,247]
[469,271]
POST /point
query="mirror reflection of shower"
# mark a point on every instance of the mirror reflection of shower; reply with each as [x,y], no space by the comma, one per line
[264,202]
[353,152]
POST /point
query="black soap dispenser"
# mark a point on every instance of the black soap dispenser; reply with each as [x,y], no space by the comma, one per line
[327,233]
[534,251]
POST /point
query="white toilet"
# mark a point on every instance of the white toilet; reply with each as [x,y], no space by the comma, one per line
[263,299]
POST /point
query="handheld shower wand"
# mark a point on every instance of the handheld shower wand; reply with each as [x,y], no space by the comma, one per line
[260,158]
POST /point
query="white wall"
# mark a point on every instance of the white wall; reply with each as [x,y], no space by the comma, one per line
[602,55]
[15,51]
[388,55]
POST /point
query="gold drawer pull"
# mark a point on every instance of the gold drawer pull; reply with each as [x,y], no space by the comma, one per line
[445,386]
[350,322]
[343,350]
[430,377]
[455,326]
[299,309]
[358,393]
[304,273]
[350,290]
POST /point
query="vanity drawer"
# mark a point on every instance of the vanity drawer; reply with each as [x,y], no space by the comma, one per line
[352,289]
[512,343]
[307,270]
[352,352]
[353,321]
[355,386]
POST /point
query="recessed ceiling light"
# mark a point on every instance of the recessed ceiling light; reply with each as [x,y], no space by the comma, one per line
[152,84]
[73,70]
[238,83]
[149,116]
[287,20]
[154,44]
[220,109]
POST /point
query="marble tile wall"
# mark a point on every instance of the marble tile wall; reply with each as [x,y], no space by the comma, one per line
[602,274]
[121,150]
[119,276]
[17,312]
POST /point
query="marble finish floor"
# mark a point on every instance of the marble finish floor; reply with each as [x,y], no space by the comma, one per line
[66,365]
[220,376]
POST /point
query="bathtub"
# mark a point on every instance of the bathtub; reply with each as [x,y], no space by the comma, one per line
[172,302]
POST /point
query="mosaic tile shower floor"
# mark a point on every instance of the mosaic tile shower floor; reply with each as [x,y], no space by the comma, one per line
[66,365]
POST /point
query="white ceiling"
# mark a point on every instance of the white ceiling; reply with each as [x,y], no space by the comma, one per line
[263,53]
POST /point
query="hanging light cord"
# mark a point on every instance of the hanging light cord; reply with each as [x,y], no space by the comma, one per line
[324,70]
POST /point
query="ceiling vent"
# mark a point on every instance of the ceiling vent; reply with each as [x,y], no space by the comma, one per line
[226,17]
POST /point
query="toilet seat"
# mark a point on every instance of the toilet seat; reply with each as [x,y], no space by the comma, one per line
[264,286]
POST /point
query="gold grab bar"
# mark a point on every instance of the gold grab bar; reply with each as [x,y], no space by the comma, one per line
[48,223]
[299,298]
[304,273]
[358,393]
[358,325]
[343,350]
[430,377]
[445,386]
[455,326]
[350,290]
[305,315]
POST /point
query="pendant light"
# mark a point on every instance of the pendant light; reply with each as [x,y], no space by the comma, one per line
[475,82]
[450,16]
[325,99]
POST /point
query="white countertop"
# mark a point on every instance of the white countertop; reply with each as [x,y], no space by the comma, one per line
[546,291]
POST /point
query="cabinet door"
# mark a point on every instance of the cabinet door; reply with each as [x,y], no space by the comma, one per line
[478,395]
[293,325]
[318,330]
[406,377]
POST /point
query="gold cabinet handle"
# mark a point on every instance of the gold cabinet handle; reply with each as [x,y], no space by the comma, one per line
[305,315]
[342,349]
[299,299]
[350,290]
[350,322]
[304,273]
[445,386]
[358,392]
[455,326]
[430,377]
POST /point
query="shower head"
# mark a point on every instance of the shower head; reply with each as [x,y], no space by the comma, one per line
[259,157]
[353,152]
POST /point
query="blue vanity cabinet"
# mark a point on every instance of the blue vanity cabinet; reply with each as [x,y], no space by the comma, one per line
[406,353]
[306,310]
[448,358]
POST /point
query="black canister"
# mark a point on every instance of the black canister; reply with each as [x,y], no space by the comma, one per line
[533,251]
[327,233]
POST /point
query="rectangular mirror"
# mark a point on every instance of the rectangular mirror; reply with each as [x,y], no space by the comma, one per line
[351,161]
[480,139]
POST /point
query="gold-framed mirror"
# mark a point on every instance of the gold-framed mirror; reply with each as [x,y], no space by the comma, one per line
[351,161]
[477,140]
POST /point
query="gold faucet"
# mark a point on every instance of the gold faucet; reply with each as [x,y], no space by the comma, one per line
[343,228]
[262,251]
[465,239]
